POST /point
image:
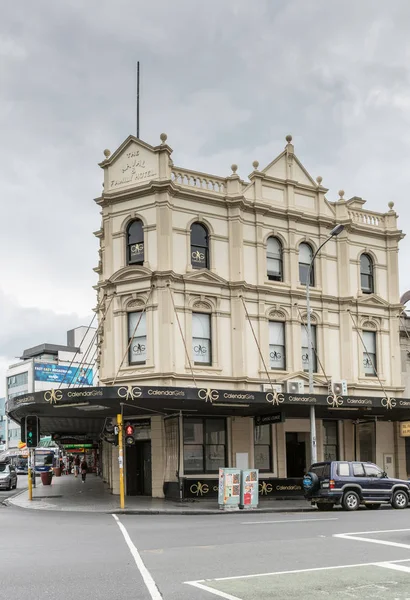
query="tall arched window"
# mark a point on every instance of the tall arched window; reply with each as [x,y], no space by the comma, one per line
[366,274]
[274,259]
[305,258]
[199,246]
[135,243]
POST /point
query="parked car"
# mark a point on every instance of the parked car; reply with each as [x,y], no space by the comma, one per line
[350,484]
[8,476]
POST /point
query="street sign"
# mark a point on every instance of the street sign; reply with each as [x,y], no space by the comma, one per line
[276,417]
[405,429]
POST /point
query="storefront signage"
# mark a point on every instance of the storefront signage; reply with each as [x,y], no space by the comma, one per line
[200,488]
[205,396]
[74,446]
[405,429]
[273,487]
[277,417]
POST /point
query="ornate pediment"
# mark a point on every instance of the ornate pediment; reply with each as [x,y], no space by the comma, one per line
[372,300]
[129,273]
[205,276]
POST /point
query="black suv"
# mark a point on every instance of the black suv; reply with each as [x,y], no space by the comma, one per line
[350,484]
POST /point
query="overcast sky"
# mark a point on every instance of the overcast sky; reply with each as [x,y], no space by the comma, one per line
[226,80]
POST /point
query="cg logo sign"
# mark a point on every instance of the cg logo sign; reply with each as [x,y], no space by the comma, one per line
[198,256]
[265,488]
[208,395]
[335,401]
[388,403]
[275,398]
[128,392]
[138,349]
[199,489]
[137,248]
[200,350]
[53,396]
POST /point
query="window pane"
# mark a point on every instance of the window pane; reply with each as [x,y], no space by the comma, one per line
[135,233]
[372,471]
[199,235]
[330,432]
[193,459]
[369,357]
[305,348]
[199,257]
[367,441]
[214,457]
[215,431]
[305,254]
[262,457]
[366,264]
[343,470]
[276,333]
[138,349]
[193,431]
[133,319]
[277,353]
[263,434]
[274,269]
[358,470]
[274,248]
[369,339]
[136,252]
[201,325]
[201,350]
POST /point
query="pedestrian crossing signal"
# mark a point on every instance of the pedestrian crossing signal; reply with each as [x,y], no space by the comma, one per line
[129,430]
[32,431]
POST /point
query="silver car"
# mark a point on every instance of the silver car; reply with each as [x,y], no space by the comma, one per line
[8,476]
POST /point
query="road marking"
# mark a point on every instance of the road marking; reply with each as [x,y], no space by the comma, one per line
[387,565]
[357,537]
[145,574]
[199,585]
[288,521]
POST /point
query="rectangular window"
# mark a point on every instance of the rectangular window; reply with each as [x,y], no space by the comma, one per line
[201,339]
[263,447]
[17,380]
[330,449]
[305,349]
[204,445]
[343,470]
[277,351]
[366,433]
[137,335]
[358,470]
[369,357]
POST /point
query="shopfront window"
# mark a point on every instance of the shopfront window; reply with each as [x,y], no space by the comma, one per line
[330,442]
[204,445]
[263,447]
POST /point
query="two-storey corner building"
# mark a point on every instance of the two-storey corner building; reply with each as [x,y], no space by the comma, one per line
[202,301]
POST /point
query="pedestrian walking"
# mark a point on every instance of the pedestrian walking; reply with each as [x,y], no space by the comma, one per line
[84,469]
[77,464]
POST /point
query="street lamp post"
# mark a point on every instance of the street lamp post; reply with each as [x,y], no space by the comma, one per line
[313,447]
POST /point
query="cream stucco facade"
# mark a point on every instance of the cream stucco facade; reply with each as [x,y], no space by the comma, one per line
[280,200]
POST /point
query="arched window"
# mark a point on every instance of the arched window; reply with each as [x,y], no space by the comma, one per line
[135,243]
[305,258]
[274,259]
[366,274]
[199,246]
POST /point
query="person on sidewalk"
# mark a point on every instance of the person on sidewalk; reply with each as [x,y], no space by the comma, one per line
[84,469]
[77,463]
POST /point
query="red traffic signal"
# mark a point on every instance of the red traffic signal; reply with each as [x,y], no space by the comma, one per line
[129,430]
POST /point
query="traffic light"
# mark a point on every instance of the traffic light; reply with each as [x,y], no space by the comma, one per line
[32,431]
[129,430]
[23,430]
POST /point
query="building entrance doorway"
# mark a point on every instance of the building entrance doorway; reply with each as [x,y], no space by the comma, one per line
[295,454]
[139,473]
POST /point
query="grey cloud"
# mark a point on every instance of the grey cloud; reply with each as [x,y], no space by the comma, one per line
[225,80]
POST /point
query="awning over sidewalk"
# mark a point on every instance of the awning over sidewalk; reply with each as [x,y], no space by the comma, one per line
[84,410]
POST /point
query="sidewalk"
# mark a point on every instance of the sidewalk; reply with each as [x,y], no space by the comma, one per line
[68,493]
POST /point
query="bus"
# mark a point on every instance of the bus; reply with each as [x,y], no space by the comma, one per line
[18,458]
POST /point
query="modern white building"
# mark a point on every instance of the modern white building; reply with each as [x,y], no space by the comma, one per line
[52,366]
[202,286]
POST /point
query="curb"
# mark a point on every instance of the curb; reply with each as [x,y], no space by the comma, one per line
[212,512]
[6,501]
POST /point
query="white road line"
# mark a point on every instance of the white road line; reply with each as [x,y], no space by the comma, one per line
[212,591]
[145,574]
[357,538]
[387,565]
[288,521]
[203,581]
